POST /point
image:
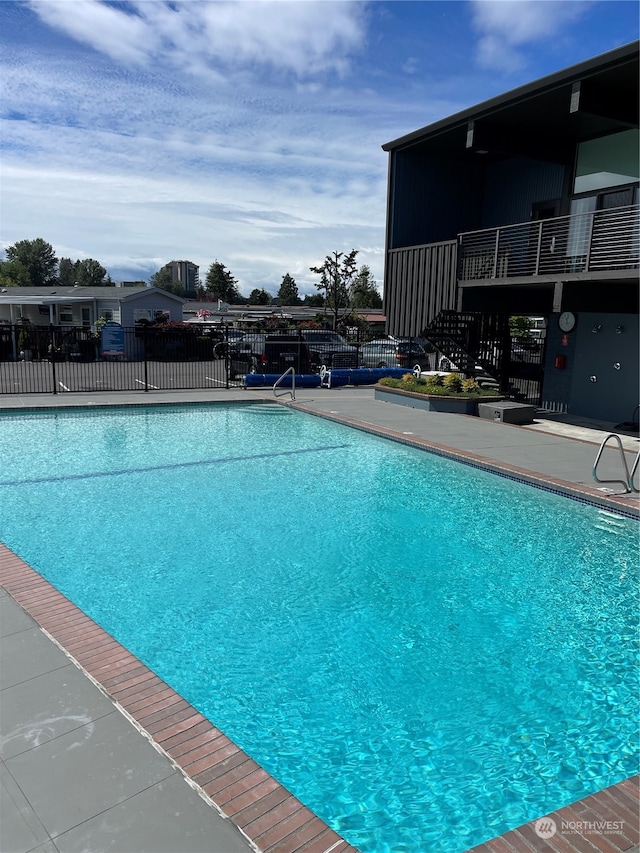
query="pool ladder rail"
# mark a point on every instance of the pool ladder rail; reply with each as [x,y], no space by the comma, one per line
[627,483]
[292,390]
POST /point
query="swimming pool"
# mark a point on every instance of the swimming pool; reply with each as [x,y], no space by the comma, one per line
[421,652]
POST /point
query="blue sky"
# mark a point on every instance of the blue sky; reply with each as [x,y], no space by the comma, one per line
[248,132]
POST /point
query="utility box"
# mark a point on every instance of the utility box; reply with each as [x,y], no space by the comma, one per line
[507,412]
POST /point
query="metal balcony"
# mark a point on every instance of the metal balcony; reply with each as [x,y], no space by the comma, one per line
[595,243]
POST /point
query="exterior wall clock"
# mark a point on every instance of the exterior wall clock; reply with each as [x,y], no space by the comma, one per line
[567,321]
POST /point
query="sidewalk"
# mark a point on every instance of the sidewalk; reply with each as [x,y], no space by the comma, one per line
[76,774]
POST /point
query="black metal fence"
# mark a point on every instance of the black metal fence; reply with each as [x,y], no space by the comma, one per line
[54,359]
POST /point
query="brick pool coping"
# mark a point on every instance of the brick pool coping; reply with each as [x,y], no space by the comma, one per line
[267,813]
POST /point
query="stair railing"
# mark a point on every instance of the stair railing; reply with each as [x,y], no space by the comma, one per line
[276,384]
[627,483]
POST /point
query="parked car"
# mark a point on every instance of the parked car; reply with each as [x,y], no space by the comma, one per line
[329,349]
[232,336]
[284,351]
[256,341]
[394,353]
[246,354]
[241,359]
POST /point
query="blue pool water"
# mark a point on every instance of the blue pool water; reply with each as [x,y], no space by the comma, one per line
[424,653]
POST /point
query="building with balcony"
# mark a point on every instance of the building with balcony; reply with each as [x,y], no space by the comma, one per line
[527,205]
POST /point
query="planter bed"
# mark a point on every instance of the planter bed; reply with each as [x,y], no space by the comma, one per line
[458,404]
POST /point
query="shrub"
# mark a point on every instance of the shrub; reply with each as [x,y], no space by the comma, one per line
[441,386]
[453,383]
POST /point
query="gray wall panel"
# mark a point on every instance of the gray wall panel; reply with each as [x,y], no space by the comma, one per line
[417,184]
[420,282]
[513,186]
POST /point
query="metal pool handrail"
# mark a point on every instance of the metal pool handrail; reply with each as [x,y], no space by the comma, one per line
[292,371]
[629,475]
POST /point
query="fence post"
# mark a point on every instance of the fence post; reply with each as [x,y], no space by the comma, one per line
[227,365]
[52,351]
[144,344]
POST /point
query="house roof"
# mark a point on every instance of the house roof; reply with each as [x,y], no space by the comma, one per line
[55,293]
[545,117]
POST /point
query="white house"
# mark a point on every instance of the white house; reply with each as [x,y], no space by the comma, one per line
[82,306]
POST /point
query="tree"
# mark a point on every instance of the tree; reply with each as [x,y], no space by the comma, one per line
[520,327]
[13,274]
[90,273]
[259,297]
[163,280]
[66,272]
[364,291]
[38,258]
[288,293]
[336,276]
[313,300]
[220,284]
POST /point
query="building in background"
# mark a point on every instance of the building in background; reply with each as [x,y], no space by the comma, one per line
[527,204]
[186,274]
[75,307]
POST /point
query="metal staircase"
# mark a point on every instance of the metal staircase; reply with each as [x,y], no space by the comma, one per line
[474,343]
[480,346]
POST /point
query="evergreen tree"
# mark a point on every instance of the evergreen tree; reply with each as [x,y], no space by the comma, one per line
[364,291]
[259,297]
[66,272]
[288,293]
[220,284]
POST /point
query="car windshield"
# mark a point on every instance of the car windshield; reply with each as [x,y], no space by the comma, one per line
[324,337]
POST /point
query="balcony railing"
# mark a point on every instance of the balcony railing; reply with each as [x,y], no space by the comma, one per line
[595,242]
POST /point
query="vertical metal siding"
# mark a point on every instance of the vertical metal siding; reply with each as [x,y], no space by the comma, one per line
[421,282]
[514,185]
[432,201]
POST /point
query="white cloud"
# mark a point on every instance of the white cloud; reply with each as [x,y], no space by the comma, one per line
[108,30]
[507,26]
[304,37]
[205,130]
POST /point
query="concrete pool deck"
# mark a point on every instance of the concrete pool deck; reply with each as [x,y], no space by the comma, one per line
[97,753]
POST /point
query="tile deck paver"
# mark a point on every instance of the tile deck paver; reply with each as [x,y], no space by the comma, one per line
[245,792]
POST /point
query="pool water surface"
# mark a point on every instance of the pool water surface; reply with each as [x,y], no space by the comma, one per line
[425,654]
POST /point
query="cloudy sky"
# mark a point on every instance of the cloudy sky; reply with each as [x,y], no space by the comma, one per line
[248,132]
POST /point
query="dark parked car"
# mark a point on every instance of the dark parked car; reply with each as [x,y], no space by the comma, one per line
[329,349]
[246,354]
[282,352]
[241,359]
[232,336]
[394,353]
